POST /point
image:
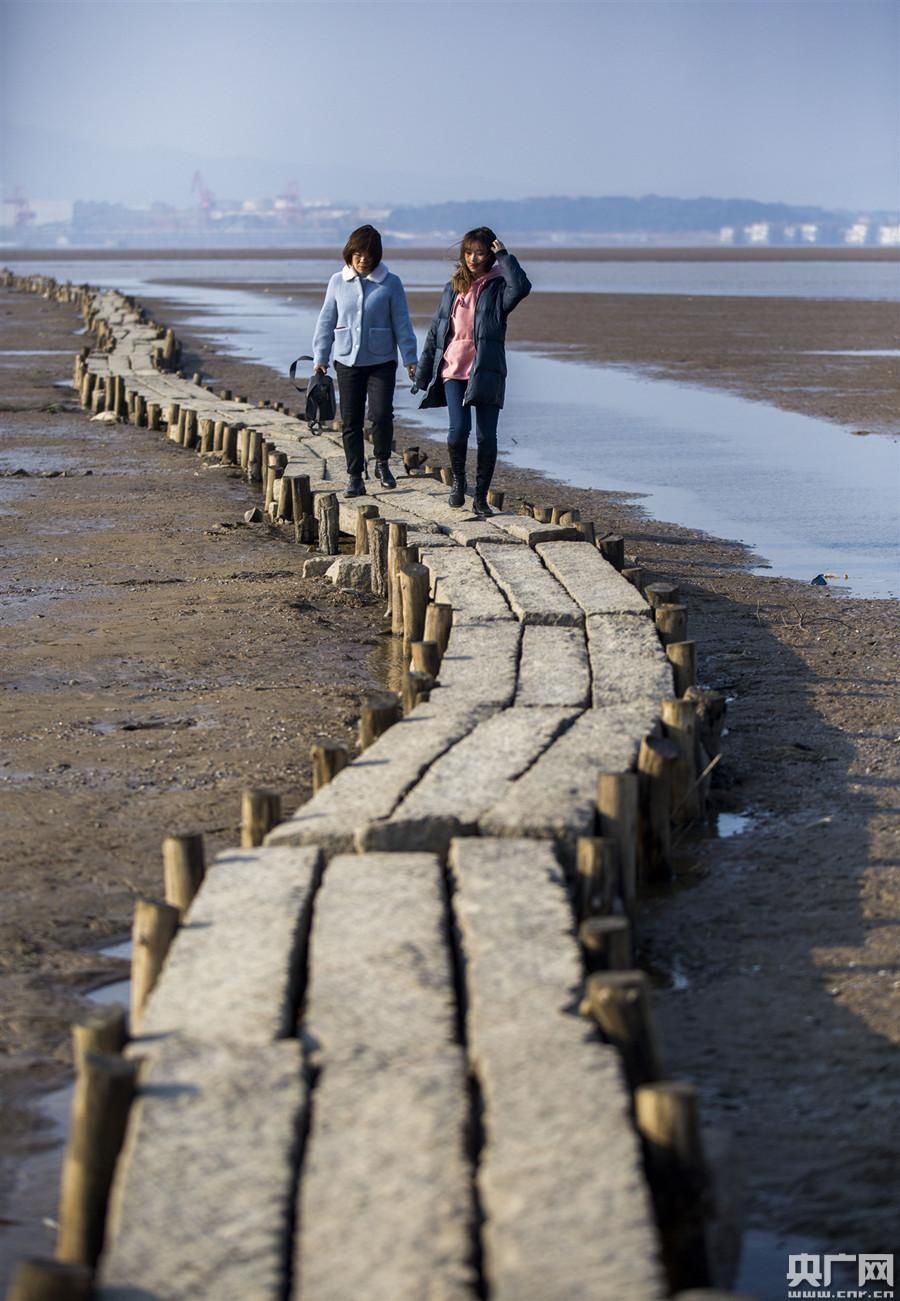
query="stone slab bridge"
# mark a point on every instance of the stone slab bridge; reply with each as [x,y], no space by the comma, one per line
[397,1049]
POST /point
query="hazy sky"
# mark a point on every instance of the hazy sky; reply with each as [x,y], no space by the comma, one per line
[797,100]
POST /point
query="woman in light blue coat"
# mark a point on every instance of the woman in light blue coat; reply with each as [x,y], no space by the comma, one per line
[365,319]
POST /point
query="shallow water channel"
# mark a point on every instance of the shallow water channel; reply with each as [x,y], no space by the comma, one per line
[807,496]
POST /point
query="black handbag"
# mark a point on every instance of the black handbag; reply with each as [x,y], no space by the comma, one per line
[321,405]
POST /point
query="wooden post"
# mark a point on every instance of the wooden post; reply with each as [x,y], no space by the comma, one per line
[154,929]
[438,622]
[612,548]
[569,518]
[396,540]
[671,623]
[364,512]
[635,576]
[101,1029]
[207,429]
[140,410]
[410,459]
[254,457]
[682,655]
[662,594]
[50,1280]
[173,416]
[414,583]
[229,444]
[88,380]
[597,876]
[153,416]
[260,812]
[169,350]
[605,943]
[680,725]
[190,429]
[668,1121]
[328,515]
[495,497]
[617,806]
[446,476]
[218,435]
[184,867]
[543,514]
[588,531]
[328,758]
[379,713]
[302,509]
[283,508]
[656,764]
[416,686]
[619,1001]
[104,1090]
[377,546]
[710,710]
[402,556]
[425,657]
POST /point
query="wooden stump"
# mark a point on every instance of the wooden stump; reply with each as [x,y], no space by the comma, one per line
[662,594]
[50,1280]
[302,509]
[328,758]
[379,713]
[425,657]
[617,807]
[612,548]
[155,925]
[495,497]
[416,686]
[605,944]
[104,1091]
[671,623]
[635,576]
[438,622]
[364,512]
[414,584]
[377,545]
[260,812]
[597,876]
[184,867]
[680,725]
[682,655]
[656,765]
[328,516]
[619,1002]
[101,1029]
[668,1121]
[402,556]
[588,531]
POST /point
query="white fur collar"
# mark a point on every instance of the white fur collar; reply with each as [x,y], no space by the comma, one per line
[377,275]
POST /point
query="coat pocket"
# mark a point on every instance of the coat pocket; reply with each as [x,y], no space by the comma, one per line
[343,340]
[381,341]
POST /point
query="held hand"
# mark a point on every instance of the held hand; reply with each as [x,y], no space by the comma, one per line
[498,246]
[321,370]
[411,370]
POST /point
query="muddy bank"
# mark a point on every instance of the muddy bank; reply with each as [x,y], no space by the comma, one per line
[775,952]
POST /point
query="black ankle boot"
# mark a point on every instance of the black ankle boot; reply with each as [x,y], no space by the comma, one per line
[355,486]
[383,473]
[484,472]
[457,496]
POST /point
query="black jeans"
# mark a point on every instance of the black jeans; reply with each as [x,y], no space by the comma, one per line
[356,385]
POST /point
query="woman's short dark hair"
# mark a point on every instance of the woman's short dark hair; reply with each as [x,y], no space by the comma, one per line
[365,239]
[462,276]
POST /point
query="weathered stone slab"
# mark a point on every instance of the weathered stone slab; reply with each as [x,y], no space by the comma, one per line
[317,566]
[353,572]
[533,593]
[593,582]
[525,529]
[372,786]
[469,532]
[480,665]
[203,1195]
[628,662]
[385,1195]
[553,667]
[231,974]
[556,797]
[458,575]
[467,780]
[567,1212]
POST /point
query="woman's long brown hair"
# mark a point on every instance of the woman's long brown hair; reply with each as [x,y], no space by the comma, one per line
[462,276]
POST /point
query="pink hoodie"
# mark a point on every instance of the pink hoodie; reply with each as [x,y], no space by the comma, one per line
[459,352]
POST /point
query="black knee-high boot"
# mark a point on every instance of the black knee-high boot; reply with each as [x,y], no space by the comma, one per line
[458,466]
[484,472]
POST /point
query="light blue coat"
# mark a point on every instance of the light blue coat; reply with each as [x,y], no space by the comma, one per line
[365,320]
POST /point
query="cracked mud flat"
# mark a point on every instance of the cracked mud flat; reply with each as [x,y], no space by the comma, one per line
[132,599]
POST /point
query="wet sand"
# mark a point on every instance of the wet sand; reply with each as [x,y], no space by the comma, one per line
[775,952]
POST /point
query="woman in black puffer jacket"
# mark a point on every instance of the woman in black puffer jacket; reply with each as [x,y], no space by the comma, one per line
[463,362]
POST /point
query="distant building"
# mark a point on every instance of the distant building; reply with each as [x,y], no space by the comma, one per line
[726,235]
[888,236]
[858,233]
[757,232]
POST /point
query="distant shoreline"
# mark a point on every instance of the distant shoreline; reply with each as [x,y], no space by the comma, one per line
[547,253]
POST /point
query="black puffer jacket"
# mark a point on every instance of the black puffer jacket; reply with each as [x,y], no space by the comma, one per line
[487,380]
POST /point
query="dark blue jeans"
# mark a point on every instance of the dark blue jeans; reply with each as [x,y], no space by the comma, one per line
[486,418]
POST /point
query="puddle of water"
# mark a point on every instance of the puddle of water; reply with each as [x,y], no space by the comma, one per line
[732,824]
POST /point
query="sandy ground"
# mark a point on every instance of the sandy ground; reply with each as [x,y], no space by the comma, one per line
[134,596]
